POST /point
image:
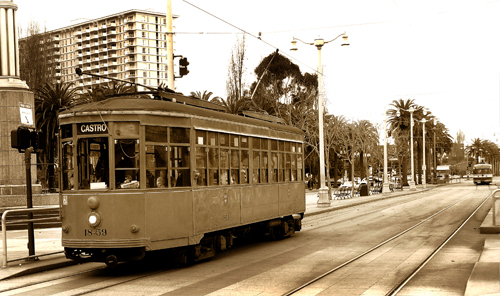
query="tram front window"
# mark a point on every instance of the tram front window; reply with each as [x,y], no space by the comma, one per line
[482,171]
[93,164]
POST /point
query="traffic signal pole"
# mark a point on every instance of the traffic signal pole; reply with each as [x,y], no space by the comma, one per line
[170,47]
[29,201]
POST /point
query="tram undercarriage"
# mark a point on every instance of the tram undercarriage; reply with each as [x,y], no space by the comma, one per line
[211,243]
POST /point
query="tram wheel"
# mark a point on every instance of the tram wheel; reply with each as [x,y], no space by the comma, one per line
[276,232]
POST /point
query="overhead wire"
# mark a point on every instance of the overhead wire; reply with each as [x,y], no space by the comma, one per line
[252,35]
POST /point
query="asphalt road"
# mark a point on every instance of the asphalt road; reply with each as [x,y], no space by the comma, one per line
[264,267]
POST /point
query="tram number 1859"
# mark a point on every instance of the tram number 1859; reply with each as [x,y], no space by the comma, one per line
[96,232]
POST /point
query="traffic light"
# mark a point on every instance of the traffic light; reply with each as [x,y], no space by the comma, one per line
[23,138]
[20,138]
[37,140]
[183,63]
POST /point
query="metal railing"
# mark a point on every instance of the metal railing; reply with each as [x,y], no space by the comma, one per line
[21,211]
[493,208]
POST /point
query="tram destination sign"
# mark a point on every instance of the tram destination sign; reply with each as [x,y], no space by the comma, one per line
[92,128]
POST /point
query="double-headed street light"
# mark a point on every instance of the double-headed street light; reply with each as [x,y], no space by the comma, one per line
[324,199]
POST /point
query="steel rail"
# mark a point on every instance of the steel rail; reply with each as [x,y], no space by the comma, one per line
[403,283]
[373,248]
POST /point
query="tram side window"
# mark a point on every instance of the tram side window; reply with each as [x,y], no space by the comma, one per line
[300,170]
[93,164]
[294,167]
[127,163]
[67,165]
[264,167]
[200,178]
[224,166]
[179,166]
[179,172]
[256,167]
[281,167]
[235,166]
[213,158]
[288,167]
[200,172]
[156,166]
[244,167]
[274,167]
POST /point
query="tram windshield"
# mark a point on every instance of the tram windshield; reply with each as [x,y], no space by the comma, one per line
[92,159]
[482,171]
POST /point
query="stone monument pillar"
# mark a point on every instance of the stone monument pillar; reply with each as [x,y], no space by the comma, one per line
[14,93]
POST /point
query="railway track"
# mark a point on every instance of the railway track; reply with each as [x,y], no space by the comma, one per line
[399,286]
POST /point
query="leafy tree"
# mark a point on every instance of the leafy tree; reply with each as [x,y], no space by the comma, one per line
[333,126]
[49,99]
[235,86]
[34,65]
[367,141]
[283,90]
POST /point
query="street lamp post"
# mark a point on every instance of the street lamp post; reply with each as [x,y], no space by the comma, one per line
[434,177]
[324,199]
[424,167]
[385,185]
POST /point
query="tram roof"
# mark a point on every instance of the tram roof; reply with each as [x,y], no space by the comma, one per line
[482,165]
[169,102]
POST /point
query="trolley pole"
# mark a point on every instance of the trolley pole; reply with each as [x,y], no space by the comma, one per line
[29,201]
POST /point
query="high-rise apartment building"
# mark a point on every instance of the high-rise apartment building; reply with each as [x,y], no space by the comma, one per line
[130,45]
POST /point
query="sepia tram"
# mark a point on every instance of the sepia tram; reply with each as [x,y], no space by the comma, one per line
[482,173]
[174,172]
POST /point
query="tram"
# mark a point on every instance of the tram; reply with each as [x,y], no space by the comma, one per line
[482,173]
[174,172]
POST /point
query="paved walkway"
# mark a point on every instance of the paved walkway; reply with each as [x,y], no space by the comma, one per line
[49,241]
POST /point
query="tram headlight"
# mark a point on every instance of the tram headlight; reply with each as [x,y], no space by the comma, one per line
[94,219]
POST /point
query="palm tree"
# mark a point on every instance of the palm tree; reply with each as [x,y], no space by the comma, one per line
[401,125]
[49,99]
[205,96]
[475,148]
[235,105]
[369,138]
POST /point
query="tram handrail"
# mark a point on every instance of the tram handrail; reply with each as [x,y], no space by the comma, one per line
[5,223]
[493,208]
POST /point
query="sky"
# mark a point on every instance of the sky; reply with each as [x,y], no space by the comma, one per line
[444,54]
